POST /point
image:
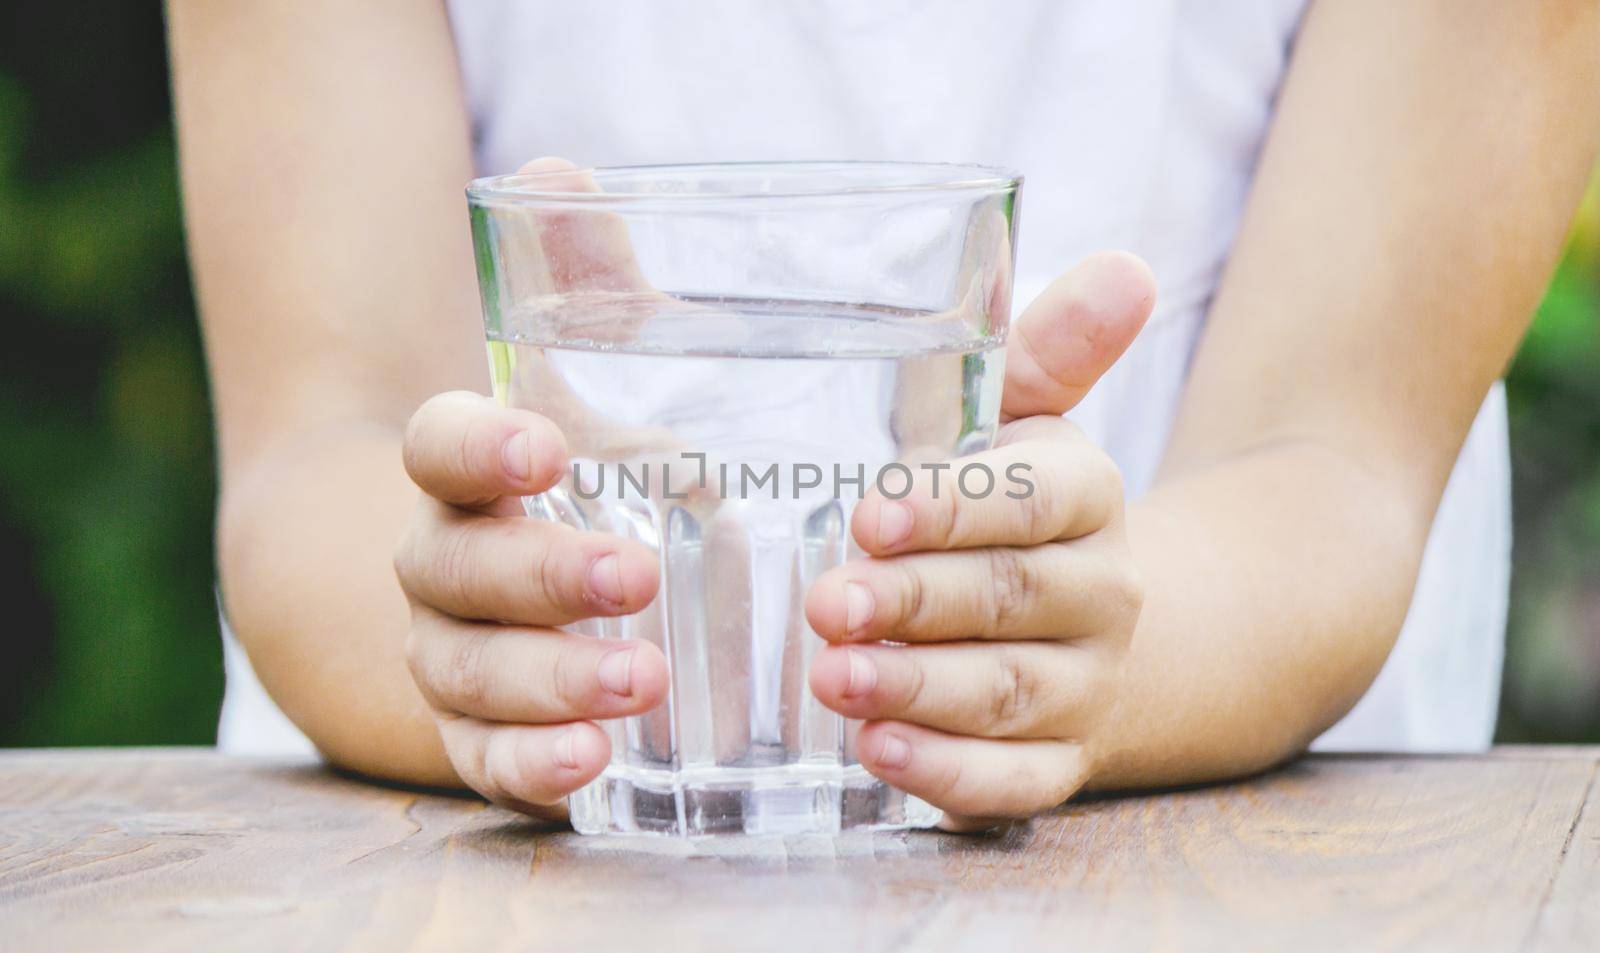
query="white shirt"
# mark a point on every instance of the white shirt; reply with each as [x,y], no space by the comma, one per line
[1138,124]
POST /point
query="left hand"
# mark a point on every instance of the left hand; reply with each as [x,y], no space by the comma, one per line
[1015,613]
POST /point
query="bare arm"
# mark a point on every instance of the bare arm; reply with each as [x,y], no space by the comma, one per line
[324,147]
[1409,208]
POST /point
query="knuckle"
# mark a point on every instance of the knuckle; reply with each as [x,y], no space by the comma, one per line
[413,442]
[947,780]
[1013,588]
[405,559]
[417,662]
[1037,510]
[1013,693]
[914,605]
[1084,485]
[1067,428]
[570,678]
[454,568]
[466,755]
[915,686]
[422,664]
[1096,693]
[410,562]
[463,455]
[1119,584]
[954,522]
[1064,782]
[499,773]
[417,444]
[1131,586]
[464,679]
[492,789]
[1108,480]
[549,587]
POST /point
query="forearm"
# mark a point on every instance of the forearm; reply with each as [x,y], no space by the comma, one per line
[1407,211]
[323,148]
[1276,581]
[305,542]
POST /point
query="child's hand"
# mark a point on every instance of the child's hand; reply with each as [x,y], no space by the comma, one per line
[513,695]
[1017,612]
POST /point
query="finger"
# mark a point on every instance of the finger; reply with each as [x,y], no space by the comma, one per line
[528,571]
[533,676]
[528,768]
[1059,590]
[464,448]
[585,249]
[1054,484]
[972,779]
[1073,332]
[1016,690]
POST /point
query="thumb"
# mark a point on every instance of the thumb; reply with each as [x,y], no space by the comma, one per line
[1074,331]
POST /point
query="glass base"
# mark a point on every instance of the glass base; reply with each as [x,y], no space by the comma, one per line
[787,800]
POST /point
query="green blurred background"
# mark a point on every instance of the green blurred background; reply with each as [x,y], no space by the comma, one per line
[106,476]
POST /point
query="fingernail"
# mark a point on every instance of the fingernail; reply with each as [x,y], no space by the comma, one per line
[858,606]
[894,753]
[894,522]
[863,675]
[605,579]
[616,672]
[566,755]
[517,456]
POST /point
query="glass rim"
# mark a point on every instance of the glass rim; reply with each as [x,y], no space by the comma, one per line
[917,178]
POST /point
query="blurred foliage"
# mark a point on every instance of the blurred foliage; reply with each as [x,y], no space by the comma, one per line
[106,473]
[1552,682]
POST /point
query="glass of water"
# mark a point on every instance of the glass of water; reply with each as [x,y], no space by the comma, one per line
[736,353]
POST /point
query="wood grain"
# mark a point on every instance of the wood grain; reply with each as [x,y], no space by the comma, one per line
[185,849]
[1569,913]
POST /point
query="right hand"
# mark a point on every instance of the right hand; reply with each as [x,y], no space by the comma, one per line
[515,698]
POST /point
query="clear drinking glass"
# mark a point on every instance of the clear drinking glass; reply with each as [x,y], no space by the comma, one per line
[735,352]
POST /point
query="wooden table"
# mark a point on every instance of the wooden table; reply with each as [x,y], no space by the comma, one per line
[186,849]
